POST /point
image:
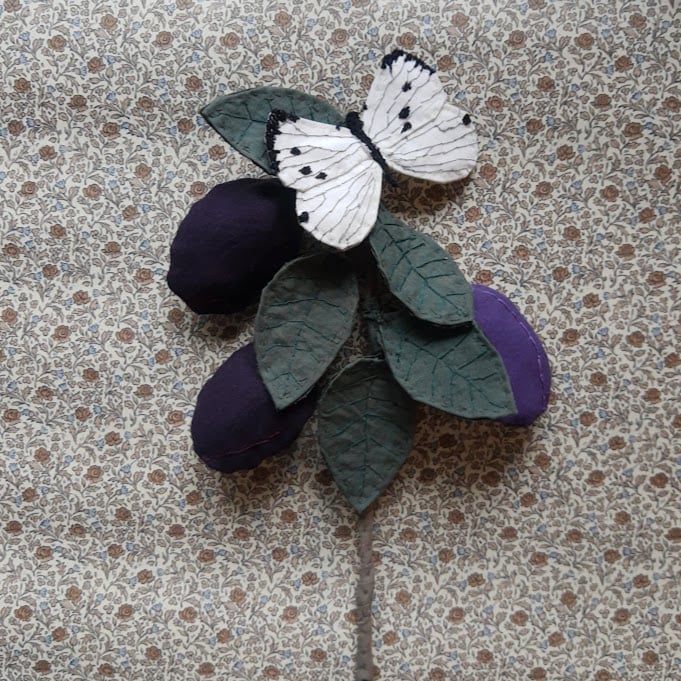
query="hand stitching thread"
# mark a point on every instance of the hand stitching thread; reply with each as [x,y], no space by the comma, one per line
[528,330]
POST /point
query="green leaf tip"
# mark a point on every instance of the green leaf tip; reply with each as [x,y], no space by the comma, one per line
[305,315]
[455,370]
[420,273]
[365,428]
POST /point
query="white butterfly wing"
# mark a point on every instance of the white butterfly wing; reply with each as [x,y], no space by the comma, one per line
[337,183]
[409,119]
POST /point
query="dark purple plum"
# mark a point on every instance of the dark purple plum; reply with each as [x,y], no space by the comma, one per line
[521,351]
[231,243]
[236,424]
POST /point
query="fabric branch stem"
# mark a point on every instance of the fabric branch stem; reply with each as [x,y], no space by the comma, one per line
[365,590]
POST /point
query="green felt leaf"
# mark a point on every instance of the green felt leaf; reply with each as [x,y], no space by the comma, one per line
[420,273]
[365,427]
[456,370]
[305,316]
[241,118]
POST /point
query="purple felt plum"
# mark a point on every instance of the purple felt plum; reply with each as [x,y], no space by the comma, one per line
[235,423]
[231,243]
[521,351]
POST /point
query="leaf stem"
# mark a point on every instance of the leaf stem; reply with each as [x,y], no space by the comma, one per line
[365,589]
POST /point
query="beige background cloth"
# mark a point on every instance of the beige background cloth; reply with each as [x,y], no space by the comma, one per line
[549,553]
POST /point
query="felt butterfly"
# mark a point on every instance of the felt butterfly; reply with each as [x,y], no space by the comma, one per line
[406,125]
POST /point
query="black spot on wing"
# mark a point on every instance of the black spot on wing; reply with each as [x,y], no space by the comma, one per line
[406,126]
[305,170]
[321,176]
[406,87]
[466,120]
[404,113]
[295,151]
[303,217]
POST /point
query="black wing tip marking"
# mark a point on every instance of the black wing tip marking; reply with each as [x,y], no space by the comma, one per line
[280,116]
[305,170]
[404,113]
[466,120]
[391,58]
[274,121]
[406,126]
[303,217]
[271,131]
[406,87]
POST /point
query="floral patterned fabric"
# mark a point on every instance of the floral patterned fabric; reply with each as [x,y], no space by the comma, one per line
[549,553]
